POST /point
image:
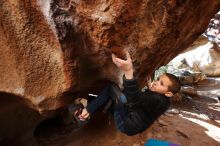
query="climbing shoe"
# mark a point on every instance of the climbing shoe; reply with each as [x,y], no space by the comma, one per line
[75,110]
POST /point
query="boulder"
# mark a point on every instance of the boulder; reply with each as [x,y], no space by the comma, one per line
[204,59]
[57,50]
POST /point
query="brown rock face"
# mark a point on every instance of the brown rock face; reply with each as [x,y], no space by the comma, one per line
[149,29]
[31,69]
[50,48]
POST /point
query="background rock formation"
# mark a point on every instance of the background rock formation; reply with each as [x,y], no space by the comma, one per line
[191,61]
[57,49]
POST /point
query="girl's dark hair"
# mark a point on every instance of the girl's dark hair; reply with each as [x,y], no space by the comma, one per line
[175,87]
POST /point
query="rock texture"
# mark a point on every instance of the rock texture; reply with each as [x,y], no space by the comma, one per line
[151,29]
[31,69]
[56,49]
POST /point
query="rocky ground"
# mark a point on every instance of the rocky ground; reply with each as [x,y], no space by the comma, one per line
[192,122]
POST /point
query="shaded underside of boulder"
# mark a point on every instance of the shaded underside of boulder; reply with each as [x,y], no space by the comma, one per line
[56,50]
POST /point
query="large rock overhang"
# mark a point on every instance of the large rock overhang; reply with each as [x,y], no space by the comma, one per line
[54,51]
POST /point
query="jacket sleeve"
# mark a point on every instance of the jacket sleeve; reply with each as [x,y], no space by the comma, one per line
[131,89]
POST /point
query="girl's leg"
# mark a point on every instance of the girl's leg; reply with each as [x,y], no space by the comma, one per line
[120,111]
[120,114]
[102,98]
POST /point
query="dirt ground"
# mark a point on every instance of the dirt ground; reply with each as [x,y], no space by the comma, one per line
[188,123]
